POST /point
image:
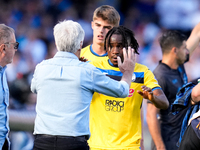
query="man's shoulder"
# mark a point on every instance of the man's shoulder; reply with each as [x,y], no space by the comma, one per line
[162,73]
[160,69]
[90,54]
[85,49]
[52,62]
[86,65]
[99,63]
[140,67]
[44,62]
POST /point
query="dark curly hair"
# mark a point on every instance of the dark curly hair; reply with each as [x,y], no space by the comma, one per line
[126,34]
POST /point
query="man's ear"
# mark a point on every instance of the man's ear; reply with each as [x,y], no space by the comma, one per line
[81,45]
[174,50]
[92,24]
[2,48]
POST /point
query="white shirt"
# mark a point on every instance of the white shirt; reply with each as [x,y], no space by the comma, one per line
[64,87]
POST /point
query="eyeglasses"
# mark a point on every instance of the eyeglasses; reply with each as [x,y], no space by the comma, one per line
[16,44]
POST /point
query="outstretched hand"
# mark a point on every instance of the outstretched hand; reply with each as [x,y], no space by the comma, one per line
[146,93]
[129,61]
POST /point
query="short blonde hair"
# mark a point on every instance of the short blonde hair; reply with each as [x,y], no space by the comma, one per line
[107,13]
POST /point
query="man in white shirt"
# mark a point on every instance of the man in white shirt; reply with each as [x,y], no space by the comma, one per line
[65,86]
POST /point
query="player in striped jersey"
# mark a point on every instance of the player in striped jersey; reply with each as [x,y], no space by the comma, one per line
[115,123]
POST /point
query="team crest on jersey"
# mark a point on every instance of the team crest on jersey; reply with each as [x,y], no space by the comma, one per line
[131,91]
[133,77]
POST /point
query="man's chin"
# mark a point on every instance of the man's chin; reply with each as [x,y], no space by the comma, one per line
[115,64]
[100,42]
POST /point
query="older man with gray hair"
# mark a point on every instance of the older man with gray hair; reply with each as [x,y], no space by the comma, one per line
[8,47]
[65,86]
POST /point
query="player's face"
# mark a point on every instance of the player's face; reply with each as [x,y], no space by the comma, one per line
[115,49]
[182,54]
[100,29]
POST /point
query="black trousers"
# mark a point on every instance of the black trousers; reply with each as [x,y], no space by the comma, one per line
[49,142]
[190,140]
[5,145]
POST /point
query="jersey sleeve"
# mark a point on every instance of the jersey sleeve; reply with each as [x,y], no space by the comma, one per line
[150,80]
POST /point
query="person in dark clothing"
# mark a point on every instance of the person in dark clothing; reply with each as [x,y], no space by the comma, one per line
[191,137]
[171,76]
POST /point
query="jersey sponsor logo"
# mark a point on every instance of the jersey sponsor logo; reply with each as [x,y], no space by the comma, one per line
[174,81]
[133,77]
[131,91]
[114,105]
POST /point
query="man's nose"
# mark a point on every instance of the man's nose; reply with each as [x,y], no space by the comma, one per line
[115,50]
[101,29]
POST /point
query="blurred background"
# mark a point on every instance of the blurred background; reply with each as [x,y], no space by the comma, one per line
[33,21]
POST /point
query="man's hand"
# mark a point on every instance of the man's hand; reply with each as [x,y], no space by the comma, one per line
[128,66]
[129,61]
[146,93]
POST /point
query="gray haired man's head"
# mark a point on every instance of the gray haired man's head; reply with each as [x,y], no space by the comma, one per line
[5,33]
[69,35]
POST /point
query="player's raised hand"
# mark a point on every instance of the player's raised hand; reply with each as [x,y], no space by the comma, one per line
[129,60]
